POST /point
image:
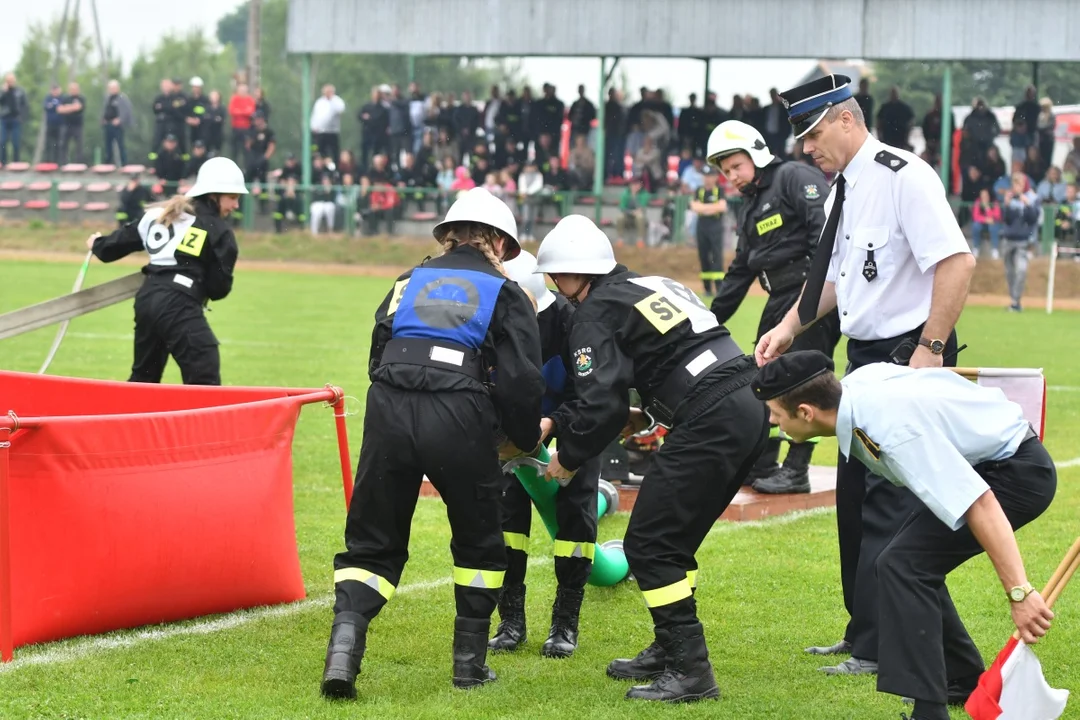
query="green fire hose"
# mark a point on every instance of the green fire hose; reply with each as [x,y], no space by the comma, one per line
[609,561]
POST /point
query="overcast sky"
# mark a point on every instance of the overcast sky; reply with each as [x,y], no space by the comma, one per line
[131,25]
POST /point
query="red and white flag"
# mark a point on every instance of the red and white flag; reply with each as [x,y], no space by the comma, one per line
[1014,689]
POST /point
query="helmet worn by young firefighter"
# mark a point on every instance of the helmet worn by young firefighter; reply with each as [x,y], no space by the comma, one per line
[522,270]
[575,246]
[734,136]
[480,206]
[218,175]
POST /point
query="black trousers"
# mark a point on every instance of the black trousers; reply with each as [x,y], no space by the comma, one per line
[716,438]
[170,322]
[924,644]
[328,145]
[869,512]
[448,437]
[710,249]
[575,515]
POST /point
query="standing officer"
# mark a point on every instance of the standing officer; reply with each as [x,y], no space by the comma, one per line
[653,334]
[260,148]
[980,471]
[176,115]
[778,227]
[431,409]
[161,115]
[710,206]
[894,262]
[192,254]
[575,504]
[196,112]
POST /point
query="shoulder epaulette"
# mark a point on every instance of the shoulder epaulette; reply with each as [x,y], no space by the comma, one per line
[890,161]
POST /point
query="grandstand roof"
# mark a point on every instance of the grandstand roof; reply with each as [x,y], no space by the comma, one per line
[872,29]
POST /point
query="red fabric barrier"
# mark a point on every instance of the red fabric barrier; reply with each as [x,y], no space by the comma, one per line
[131,504]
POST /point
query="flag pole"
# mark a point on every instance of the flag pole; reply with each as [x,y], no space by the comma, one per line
[1061,577]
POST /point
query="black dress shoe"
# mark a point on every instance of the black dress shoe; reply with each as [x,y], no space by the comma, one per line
[841,648]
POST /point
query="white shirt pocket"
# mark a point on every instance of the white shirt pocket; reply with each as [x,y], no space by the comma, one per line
[871,243]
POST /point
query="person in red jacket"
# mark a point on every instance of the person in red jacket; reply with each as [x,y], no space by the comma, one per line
[241,110]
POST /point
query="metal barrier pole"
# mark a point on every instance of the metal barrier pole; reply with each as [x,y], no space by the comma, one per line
[6,639]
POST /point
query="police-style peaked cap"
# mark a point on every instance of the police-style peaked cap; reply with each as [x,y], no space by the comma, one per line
[788,372]
[807,104]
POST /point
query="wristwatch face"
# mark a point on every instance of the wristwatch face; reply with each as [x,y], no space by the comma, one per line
[1017,594]
[937,347]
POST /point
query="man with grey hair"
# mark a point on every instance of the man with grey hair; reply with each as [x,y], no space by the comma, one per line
[116,116]
[894,262]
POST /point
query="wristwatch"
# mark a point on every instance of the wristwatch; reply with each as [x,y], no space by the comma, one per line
[1018,593]
[936,346]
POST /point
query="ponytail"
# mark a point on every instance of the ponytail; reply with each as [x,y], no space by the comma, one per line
[173,208]
[480,236]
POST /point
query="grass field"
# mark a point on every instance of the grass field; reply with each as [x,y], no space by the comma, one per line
[766,590]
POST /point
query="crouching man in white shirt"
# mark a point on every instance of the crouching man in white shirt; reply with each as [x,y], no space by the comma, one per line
[980,471]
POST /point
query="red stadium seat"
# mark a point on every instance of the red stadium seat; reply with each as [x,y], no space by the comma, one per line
[606,222]
[9,204]
[67,205]
[423,216]
[99,187]
[130,169]
[103,169]
[96,207]
[46,167]
[586,200]
[73,168]
[39,186]
[69,186]
[17,167]
[11,186]
[36,205]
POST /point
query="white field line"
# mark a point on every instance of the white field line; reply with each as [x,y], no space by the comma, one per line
[1068,463]
[79,649]
[1063,388]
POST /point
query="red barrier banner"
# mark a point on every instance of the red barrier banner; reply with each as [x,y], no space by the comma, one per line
[125,504]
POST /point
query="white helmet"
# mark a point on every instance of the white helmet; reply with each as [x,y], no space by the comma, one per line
[480,206]
[522,270]
[218,175]
[575,246]
[732,136]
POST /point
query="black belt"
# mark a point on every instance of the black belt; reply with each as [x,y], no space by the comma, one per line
[698,363]
[784,278]
[434,354]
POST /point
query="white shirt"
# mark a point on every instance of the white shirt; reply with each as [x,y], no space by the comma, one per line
[326,114]
[904,217]
[925,429]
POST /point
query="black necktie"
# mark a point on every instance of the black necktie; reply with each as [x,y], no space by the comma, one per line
[819,267]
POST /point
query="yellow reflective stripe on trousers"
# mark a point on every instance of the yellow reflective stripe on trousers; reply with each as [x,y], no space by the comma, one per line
[667,595]
[573,549]
[484,579]
[691,577]
[515,541]
[376,582]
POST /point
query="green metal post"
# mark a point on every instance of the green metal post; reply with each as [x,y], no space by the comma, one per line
[305,119]
[412,68]
[946,126]
[601,152]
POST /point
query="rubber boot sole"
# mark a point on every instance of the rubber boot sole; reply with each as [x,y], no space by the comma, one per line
[616,675]
[712,693]
[338,689]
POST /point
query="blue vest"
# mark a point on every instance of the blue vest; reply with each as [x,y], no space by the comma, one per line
[554,373]
[447,304]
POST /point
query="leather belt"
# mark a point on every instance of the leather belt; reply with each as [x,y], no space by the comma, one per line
[698,363]
[784,278]
[434,354]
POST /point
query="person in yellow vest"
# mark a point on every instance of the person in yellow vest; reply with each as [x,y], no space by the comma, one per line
[710,205]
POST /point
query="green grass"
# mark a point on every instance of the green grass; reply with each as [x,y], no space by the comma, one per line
[766,590]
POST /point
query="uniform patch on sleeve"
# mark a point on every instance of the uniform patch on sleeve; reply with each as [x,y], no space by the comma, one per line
[811,192]
[871,447]
[890,161]
[583,361]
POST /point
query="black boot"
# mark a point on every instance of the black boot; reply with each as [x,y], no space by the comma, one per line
[649,664]
[794,476]
[470,652]
[767,464]
[689,676]
[343,656]
[511,631]
[562,640]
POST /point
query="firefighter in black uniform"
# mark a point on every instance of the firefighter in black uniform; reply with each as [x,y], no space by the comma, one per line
[176,115]
[781,218]
[709,204]
[289,202]
[197,160]
[455,354]
[575,504]
[161,114]
[653,334]
[260,146]
[192,255]
[169,167]
[196,112]
[133,201]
